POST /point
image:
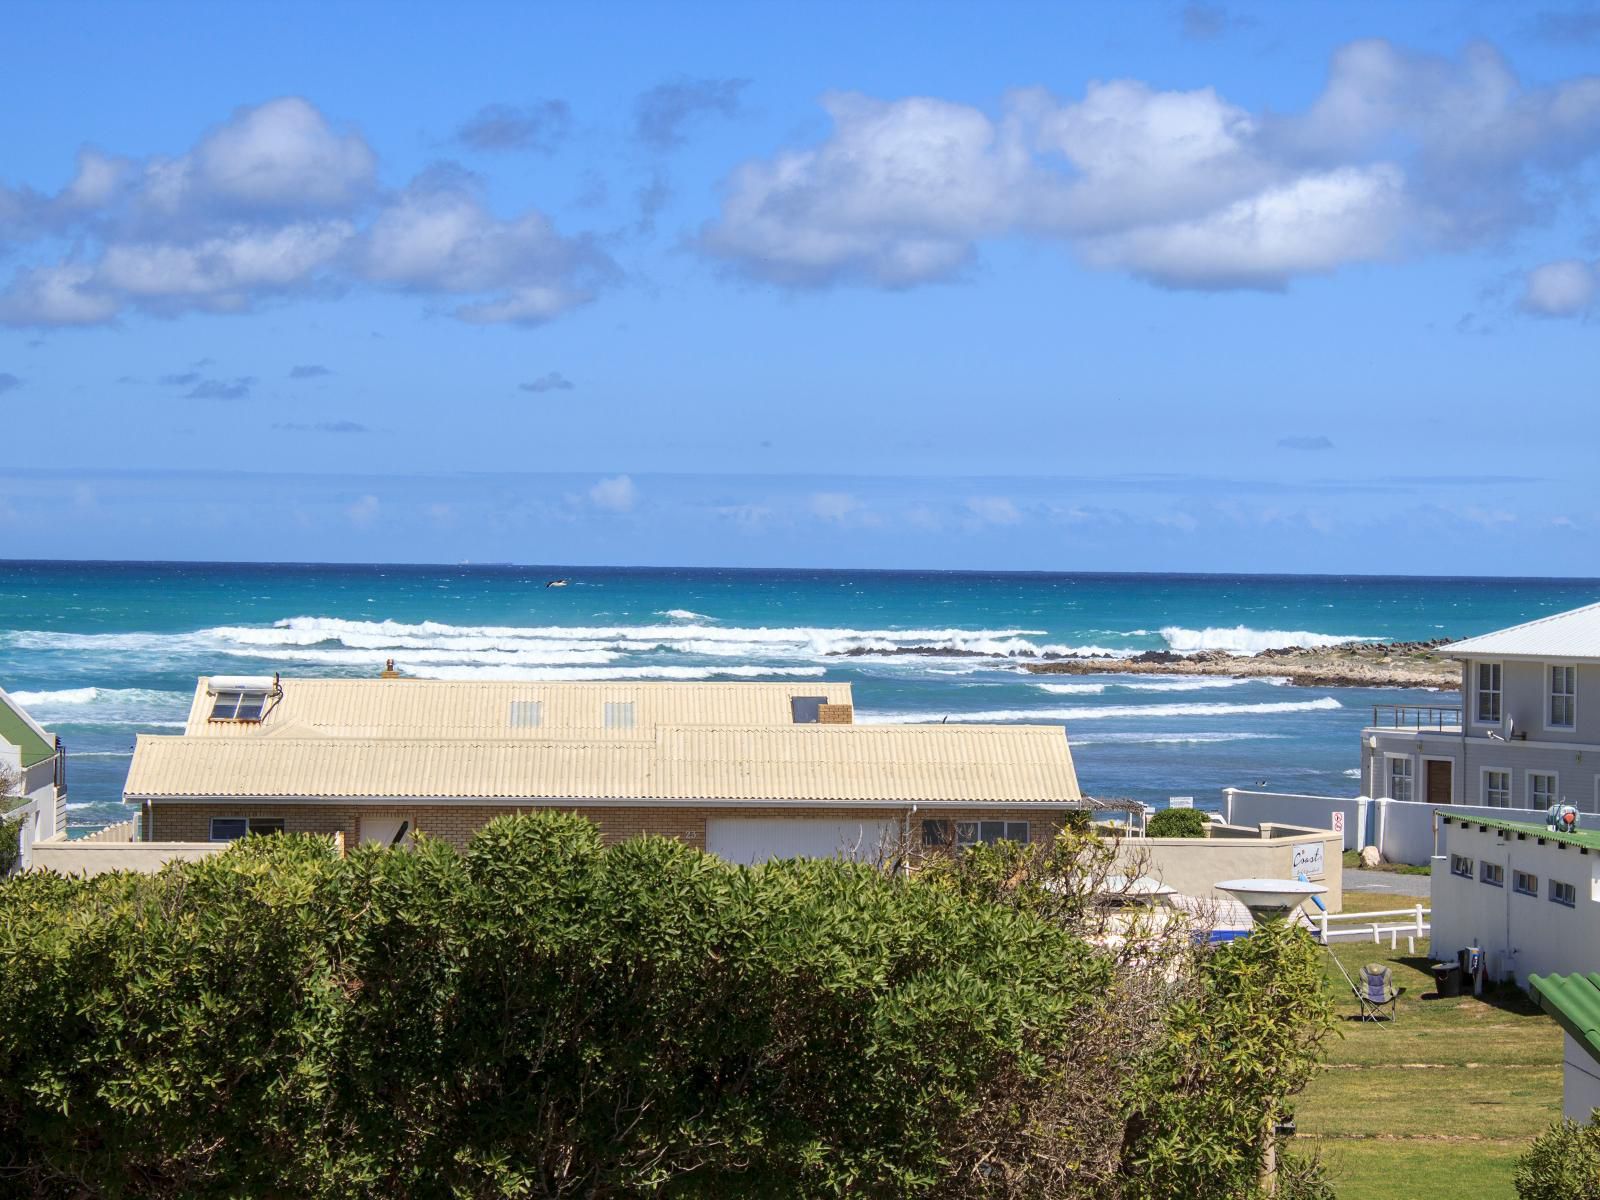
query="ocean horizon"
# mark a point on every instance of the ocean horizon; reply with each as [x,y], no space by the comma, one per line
[100,651]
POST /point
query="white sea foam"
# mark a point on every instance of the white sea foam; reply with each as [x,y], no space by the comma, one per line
[600,673]
[1241,639]
[1353,773]
[1155,685]
[1109,712]
[1174,739]
[106,706]
[1072,689]
[683,614]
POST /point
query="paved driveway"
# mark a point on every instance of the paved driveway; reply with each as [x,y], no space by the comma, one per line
[1386,881]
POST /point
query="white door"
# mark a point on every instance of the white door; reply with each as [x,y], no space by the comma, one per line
[385,831]
[751,840]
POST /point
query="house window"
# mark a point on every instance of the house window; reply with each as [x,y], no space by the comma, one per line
[806,710]
[619,714]
[970,833]
[1524,884]
[238,706]
[526,714]
[1493,874]
[1461,865]
[1400,778]
[935,833]
[1563,893]
[1489,693]
[1541,789]
[1497,789]
[231,829]
[1563,697]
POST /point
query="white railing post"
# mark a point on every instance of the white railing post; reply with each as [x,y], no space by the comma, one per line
[1419,920]
[1324,927]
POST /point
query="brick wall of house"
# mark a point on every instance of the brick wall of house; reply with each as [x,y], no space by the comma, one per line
[456,823]
[836,714]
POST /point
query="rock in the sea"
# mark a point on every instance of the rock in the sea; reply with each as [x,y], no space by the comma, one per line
[1370,857]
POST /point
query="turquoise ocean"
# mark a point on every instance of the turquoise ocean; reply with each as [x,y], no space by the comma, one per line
[100,652]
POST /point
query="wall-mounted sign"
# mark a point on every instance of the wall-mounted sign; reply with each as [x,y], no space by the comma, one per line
[1308,860]
[1338,821]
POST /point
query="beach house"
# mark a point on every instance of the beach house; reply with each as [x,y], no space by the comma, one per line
[33,776]
[1528,896]
[1526,733]
[749,771]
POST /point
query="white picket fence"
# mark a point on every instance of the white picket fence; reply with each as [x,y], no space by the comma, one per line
[1374,925]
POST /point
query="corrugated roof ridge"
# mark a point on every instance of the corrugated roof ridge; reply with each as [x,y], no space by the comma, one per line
[1544,620]
[1587,839]
[1574,1001]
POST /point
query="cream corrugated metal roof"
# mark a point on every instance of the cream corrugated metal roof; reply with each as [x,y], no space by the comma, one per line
[878,763]
[1572,634]
[449,708]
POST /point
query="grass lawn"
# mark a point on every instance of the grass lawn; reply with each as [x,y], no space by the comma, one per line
[1352,859]
[1441,1102]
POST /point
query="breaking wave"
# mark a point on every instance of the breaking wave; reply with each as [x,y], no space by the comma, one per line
[1170,739]
[1111,712]
[1158,685]
[683,614]
[145,707]
[1241,639]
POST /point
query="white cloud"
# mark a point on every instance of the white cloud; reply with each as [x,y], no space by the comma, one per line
[616,494]
[1560,289]
[994,510]
[833,506]
[276,200]
[363,512]
[1399,154]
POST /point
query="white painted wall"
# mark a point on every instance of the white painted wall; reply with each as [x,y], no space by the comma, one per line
[1580,1082]
[1311,812]
[1522,935]
[80,857]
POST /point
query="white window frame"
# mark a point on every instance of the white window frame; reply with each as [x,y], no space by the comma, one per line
[1555,788]
[211,829]
[1525,883]
[1388,775]
[1572,890]
[1492,873]
[1462,866]
[1483,786]
[1551,695]
[240,697]
[1478,692]
[970,833]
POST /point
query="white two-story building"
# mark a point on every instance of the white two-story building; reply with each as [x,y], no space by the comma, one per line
[1526,733]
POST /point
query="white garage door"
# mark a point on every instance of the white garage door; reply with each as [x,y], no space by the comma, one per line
[754,840]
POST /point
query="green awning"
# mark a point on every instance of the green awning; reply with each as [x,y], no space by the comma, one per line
[18,732]
[1574,1001]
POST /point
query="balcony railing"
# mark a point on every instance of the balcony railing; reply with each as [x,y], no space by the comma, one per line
[1416,716]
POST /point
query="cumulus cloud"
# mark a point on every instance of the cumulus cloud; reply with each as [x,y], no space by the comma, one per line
[616,494]
[994,510]
[833,506]
[309,371]
[1560,289]
[540,127]
[1398,154]
[8,382]
[438,236]
[279,201]
[552,381]
[220,389]
[1317,441]
[661,114]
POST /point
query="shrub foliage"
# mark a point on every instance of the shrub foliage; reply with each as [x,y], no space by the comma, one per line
[1177,823]
[1562,1164]
[543,1016]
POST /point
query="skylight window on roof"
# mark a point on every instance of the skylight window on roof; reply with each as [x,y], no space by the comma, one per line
[619,714]
[238,706]
[526,714]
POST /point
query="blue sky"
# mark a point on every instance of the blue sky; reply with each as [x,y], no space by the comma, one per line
[1036,286]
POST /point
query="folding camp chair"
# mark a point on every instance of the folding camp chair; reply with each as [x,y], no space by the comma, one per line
[1376,992]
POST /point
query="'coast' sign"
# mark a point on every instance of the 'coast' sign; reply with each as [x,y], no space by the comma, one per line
[1308,860]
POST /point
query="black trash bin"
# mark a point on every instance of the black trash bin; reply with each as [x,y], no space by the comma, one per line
[1447,978]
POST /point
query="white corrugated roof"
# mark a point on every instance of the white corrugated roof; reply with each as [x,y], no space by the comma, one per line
[453,708]
[850,763]
[1572,634]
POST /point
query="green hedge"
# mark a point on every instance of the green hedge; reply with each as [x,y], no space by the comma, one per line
[1177,822]
[542,1016]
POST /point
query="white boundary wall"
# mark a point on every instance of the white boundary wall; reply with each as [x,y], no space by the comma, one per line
[1402,830]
